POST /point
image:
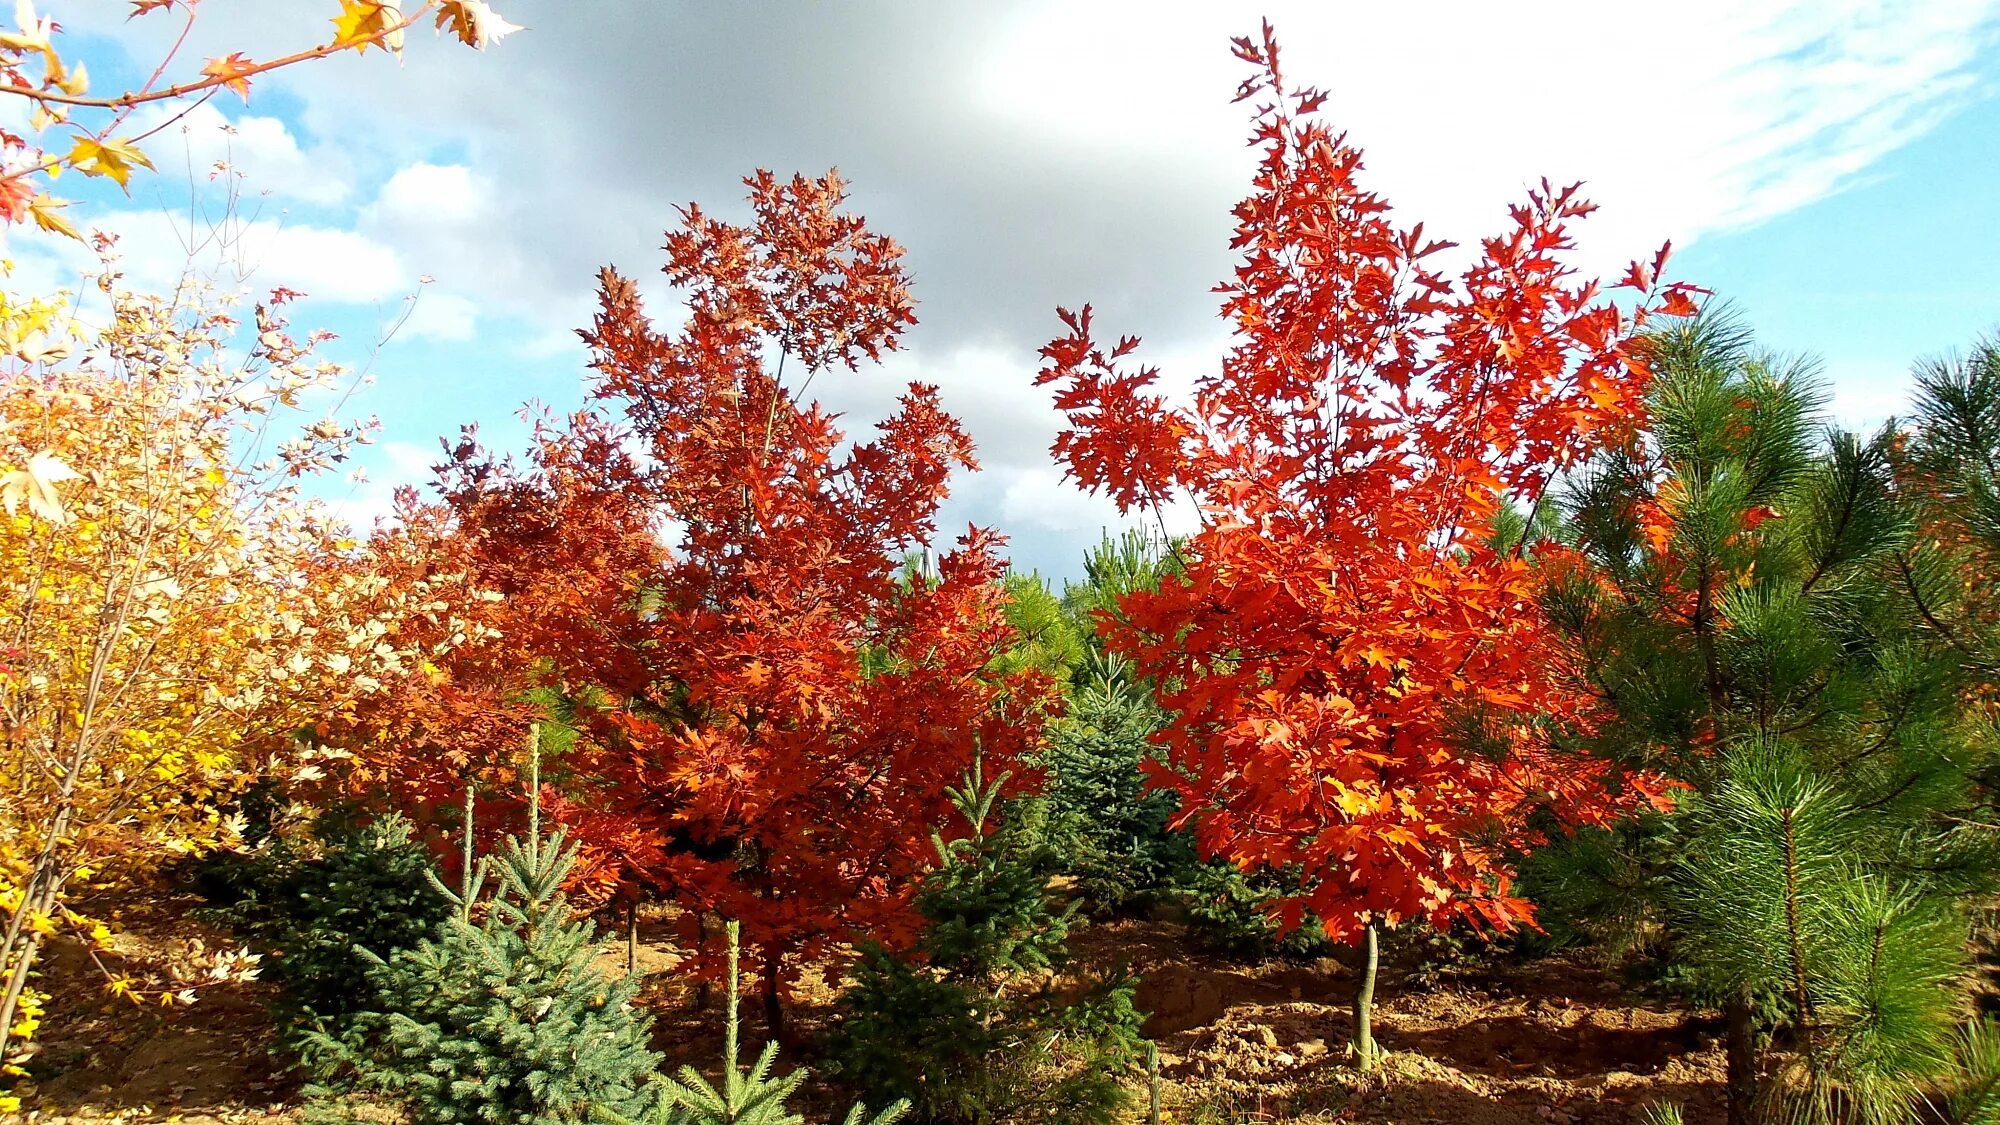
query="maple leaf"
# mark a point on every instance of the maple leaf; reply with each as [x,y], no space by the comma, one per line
[113,159]
[35,484]
[474,22]
[362,24]
[233,70]
[47,212]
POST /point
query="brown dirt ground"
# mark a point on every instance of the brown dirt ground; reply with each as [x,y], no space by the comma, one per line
[1550,1042]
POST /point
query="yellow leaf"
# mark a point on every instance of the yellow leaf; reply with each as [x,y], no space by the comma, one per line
[45,208]
[113,158]
[362,24]
[36,485]
[75,82]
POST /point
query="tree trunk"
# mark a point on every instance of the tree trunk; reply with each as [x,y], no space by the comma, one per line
[632,936]
[774,1009]
[23,944]
[1366,1053]
[1741,1052]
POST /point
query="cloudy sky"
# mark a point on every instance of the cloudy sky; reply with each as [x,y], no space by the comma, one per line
[1828,165]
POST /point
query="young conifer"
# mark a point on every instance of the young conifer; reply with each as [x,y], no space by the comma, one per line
[974,1024]
[501,1018]
[749,1097]
[1728,594]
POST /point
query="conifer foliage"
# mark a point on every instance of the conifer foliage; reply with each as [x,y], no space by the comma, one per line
[1730,594]
[501,1019]
[974,1024]
[308,898]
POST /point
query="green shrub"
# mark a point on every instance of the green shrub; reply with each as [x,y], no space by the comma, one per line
[974,1024]
[308,899]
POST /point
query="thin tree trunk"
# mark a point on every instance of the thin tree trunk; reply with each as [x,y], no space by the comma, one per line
[23,944]
[1740,1051]
[704,991]
[774,1008]
[632,935]
[1366,1053]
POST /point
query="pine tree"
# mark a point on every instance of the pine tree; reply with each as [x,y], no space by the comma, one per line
[501,1020]
[1728,596]
[974,1024]
[1948,471]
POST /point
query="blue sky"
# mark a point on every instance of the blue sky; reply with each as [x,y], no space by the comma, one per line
[1828,166]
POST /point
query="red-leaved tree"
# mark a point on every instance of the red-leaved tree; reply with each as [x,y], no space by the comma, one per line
[696,586]
[1355,668]
[806,705]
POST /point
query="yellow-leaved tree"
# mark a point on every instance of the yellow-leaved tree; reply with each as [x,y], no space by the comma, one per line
[173,611]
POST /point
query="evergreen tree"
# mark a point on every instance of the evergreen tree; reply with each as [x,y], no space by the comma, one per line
[1111,831]
[975,1024]
[1948,471]
[501,1020]
[749,1097]
[1047,636]
[310,898]
[1728,593]
[1115,567]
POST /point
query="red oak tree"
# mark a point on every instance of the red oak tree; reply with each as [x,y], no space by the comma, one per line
[705,575]
[1357,671]
[807,710]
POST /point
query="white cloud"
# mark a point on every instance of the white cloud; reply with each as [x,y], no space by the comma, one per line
[1713,117]
[441,316]
[202,144]
[326,263]
[1041,498]
[427,195]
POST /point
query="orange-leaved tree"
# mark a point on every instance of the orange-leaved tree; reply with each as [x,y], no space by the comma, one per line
[700,578]
[172,608]
[809,703]
[565,547]
[96,134]
[1354,661]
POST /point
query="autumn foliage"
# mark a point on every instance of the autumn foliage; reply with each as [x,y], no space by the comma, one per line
[705,580]
[71,127]
[173,610]
[1357,665]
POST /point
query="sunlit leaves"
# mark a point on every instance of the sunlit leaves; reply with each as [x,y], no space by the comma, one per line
[233,71]
[113,159]
[1361,678]
[33,485]
[474,22]
[170,615]
[69,128]
[700,583]
[362,24]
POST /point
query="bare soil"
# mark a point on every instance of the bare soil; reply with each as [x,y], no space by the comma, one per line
[1556,1041]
